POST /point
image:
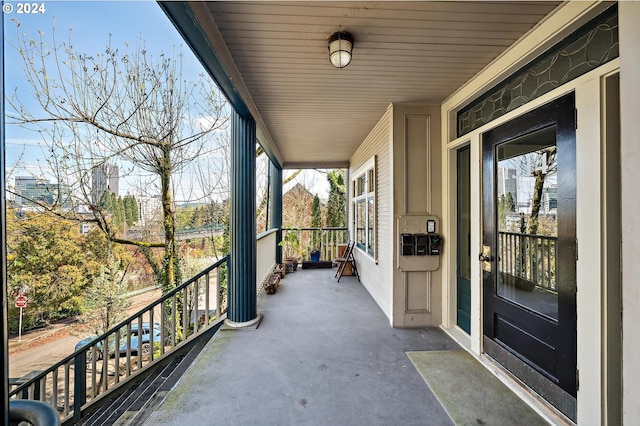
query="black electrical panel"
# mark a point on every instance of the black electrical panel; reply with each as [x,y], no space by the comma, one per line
[434,242]
[421,244]
[407,242]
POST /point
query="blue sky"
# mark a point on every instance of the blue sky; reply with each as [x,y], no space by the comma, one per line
[92,25]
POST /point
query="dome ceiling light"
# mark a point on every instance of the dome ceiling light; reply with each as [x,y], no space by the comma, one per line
[340,47]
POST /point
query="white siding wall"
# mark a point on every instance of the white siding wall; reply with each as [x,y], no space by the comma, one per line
[377,276]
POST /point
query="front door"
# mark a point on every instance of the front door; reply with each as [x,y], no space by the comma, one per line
[529,249]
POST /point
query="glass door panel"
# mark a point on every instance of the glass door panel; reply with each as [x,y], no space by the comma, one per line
[527,201]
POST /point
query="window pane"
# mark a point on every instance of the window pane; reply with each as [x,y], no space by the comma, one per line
[360,185]
[360,223]
[370,232]
[371,181]
[527,224]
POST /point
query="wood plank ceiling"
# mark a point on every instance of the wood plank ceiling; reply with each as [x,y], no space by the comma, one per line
[417,51]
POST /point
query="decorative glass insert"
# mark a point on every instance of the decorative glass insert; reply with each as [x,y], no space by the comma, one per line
[594,44]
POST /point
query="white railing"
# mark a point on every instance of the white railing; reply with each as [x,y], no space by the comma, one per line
[265,255]
[325,240]
[529,257]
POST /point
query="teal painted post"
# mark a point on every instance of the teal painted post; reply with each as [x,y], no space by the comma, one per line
[242,267]
[276,206]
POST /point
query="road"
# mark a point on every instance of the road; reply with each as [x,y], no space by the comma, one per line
[58,341]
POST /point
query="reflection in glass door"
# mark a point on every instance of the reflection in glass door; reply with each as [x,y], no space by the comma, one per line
[463,269]
[527,201]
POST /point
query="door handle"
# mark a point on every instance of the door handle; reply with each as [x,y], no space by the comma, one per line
[486,258]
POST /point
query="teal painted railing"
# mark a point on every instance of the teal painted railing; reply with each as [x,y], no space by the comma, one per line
[75,382]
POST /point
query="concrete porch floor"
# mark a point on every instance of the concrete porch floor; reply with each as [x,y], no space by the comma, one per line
[324,354]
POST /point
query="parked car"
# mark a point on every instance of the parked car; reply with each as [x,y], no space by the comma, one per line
[145,344]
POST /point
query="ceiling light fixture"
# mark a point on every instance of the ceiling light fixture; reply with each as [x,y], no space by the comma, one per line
[340,47]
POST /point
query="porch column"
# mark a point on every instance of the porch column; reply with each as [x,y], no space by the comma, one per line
[4,334]
[242,265]
[276,206]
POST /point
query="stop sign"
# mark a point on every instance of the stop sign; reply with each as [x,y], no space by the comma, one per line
[21,302]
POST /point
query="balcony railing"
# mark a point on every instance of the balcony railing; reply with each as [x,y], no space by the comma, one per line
[530,257]
[113,358]
[265,255]
[325,240]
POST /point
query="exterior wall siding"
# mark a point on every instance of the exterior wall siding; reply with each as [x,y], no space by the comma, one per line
[417,191]
[404,142]
[377,275]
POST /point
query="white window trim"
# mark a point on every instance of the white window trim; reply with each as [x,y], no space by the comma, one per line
[363,170]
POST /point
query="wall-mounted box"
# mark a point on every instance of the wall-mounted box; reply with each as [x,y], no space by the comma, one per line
[416,249]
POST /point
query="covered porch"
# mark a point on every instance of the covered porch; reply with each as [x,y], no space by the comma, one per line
[421,79]
[324,354]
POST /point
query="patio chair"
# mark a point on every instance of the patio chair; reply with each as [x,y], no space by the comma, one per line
[347,258]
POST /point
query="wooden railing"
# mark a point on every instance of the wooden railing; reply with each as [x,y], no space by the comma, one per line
[325,240]
[529,257]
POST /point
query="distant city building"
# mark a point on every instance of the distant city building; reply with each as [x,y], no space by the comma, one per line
[104,177]
[21,184]
[31,192]
[550,200]
[150,209]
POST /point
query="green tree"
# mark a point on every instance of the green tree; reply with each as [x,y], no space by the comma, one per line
[51,262]
[316,222]
[105,302]
[336,204]
[106,201]
[506,205]
[138,105]
[130,210]
[198,217]
[119,212]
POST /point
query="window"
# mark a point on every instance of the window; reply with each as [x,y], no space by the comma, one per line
[364,209]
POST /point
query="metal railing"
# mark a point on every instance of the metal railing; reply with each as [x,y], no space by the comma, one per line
[326,240]
[121,353]
[529,257]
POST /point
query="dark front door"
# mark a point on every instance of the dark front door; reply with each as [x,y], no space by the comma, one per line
[529,249]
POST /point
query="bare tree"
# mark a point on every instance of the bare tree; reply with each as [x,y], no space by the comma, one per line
[127,108]
[539,164]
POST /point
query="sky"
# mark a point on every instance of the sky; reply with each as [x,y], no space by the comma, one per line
[92,24]
[89,26]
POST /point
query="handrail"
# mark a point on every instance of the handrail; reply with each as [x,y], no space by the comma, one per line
[187,295]
[164,298]
[330,228]
[216,227]
[266,233]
